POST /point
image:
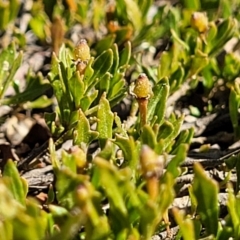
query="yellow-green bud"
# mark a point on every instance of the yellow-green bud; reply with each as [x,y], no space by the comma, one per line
[142,88]
[82,51]
[199,22]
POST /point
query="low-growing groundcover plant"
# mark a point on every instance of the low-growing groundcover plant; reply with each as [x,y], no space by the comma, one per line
[126,173]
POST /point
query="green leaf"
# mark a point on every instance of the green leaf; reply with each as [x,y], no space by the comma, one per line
[157,103]
[119,128]
[234,102]
[104,44]
[15,182]
[165,130]
[118,97]
[9,206]
[119,191]
[185,224]
[83,135]
[51,195]
[31,224]
[184,137]
[69,228]
[28,95]
[148,136]
[6,59]
[58,211]
[177,123]
[101,65]
[153,212]
[173,166]
[233,205]
[16,64]
[164,68]
[69,162]
[212,31]
[64,78]
[225,233]
[54,160]
[76,87]
[207,72]
[4,13]
[134,14]
[108,151]
[192,4]
[14,9]
[105,120]
[193,200]
[197,64]
[144,5]
[8,12]
[150,215]
[88,71]
[176,79]
[226,7]
[109,178]
[38,24]
[117,86]
[41,102]
[130,150]
[35,88]
[65,59]
[87,100]
[49,118]
[104,83]
[6,230]
[53,75]
[125,55]
[225,30]
[206,191]
[231,66]
[179,41]
[73,118]
[115,64]
[66,186]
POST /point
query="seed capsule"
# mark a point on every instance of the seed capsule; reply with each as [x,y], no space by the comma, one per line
[57,33]
[142,87]
[82,51]
[151,164]
[199,22]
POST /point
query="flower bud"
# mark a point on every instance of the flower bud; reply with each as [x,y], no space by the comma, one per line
[199,22]
[82,51]
[152,165]
[142,88]
[79,156]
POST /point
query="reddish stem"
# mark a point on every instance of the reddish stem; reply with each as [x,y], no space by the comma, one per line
[143,103]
